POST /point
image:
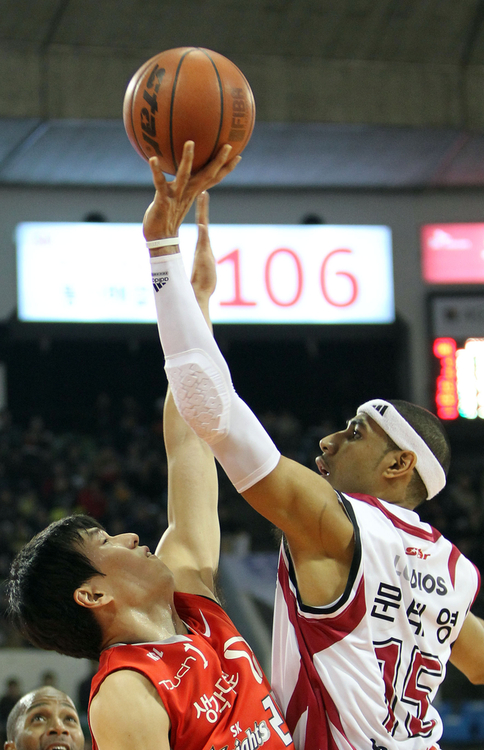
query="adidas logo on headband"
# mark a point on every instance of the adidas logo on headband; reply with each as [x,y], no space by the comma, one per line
[381,408]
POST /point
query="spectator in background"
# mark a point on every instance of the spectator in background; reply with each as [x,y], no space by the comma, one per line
[44,718]
[49,679]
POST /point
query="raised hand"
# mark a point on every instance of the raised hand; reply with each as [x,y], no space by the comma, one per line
[173,199]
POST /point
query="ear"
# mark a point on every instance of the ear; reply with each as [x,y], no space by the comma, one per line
[400,464]
[91,596]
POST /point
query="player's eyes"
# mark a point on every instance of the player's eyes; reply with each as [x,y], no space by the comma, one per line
[38,717]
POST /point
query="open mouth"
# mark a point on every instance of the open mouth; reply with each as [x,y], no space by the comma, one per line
[322,468]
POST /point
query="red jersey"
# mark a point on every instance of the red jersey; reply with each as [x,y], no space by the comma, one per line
[210,682]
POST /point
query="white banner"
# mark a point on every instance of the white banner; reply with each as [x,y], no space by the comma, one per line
[96,272]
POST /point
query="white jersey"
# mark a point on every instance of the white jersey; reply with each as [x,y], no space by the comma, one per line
[361,673]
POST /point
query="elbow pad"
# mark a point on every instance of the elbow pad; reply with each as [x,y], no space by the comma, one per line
[201,393]
[200,381]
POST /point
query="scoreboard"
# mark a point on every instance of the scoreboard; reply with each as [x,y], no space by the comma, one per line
[269,274]
[460,383]
[457,325]
[453,254]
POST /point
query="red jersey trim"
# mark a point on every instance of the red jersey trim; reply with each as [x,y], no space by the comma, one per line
[325,628]
[429,536]
[313,635]
[453,557]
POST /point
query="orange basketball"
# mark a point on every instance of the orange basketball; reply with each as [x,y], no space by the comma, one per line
[188,94]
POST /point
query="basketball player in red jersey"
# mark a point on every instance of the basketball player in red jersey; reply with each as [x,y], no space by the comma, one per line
[174,673]
[371,603]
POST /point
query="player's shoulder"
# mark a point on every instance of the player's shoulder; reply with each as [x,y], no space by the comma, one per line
[120,688]
[127,703]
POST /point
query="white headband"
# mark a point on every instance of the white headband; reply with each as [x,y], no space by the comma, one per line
[402,433]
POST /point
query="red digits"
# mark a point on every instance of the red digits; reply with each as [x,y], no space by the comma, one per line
[415,691]
[234,256]
[299,272]
[349,276]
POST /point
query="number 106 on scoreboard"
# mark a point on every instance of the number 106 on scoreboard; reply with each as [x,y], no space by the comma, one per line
[284,273]
[299,274]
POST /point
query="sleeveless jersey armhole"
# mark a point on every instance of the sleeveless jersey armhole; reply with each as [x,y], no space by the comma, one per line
[329,609]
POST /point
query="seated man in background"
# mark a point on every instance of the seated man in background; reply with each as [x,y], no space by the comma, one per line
[174,672]
[44,719]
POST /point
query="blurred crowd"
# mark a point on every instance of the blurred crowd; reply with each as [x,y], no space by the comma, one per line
[115,470]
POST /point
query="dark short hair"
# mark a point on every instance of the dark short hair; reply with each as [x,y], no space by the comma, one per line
[432,432]
[40,590]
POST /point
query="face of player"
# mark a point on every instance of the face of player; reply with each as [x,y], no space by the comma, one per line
[353,459]
[49,722]
[130,571]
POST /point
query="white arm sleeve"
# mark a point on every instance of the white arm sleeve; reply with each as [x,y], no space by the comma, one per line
[200,380]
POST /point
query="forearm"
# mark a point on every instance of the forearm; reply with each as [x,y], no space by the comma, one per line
[179,316]
[201,382]
[192,540]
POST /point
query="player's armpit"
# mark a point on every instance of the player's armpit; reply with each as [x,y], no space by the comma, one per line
[468,650]
[127,714]
[319,533]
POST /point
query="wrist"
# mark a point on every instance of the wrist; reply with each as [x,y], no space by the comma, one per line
[165,246]
[159,251]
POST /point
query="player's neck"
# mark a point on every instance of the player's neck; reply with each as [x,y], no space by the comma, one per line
[398,498]
[157,623]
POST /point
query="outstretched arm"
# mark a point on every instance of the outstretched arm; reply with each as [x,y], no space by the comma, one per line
[191,544]
[294,498]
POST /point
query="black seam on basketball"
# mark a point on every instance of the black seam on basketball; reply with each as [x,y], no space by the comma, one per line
[252,107]
[175,81]
[252,119]
[251,102]
[133,99]
[221,103]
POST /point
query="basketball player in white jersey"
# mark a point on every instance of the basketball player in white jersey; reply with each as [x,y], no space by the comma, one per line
[371,603]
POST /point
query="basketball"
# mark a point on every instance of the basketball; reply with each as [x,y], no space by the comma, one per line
[188,94]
